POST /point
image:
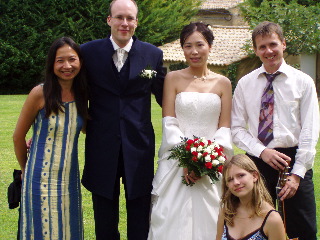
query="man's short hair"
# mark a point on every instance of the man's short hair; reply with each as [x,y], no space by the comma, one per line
[110,6]
[265,29]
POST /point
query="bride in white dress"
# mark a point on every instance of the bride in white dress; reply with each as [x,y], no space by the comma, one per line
[196,102]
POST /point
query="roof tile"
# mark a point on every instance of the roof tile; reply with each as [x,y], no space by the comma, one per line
[220,4]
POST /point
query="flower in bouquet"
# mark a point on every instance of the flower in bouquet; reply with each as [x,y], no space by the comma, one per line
[148,73]
[202,156]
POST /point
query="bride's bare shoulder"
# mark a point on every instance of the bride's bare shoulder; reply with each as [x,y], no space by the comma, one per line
[177,73]
[176,76]
[219,77]
[221,80]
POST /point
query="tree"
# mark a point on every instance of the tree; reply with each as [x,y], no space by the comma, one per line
[28,27]
[257,3]
[300,23]
[161,21]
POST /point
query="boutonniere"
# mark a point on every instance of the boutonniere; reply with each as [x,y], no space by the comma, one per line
[148,73]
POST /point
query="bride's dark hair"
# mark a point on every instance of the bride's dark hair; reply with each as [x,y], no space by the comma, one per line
[200,27]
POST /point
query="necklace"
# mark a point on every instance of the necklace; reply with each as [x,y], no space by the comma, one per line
[203,78]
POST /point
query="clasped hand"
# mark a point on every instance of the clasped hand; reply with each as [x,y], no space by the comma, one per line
[190,176]
[279,161]
[290,188]
[275,159]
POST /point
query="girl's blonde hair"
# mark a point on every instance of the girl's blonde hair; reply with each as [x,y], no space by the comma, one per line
[260,193]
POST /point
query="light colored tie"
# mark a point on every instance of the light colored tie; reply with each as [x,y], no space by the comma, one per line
[265,129]
[120,56]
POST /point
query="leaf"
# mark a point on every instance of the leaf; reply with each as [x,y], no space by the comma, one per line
[299,20]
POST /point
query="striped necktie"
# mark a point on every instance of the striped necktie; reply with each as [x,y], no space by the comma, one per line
[265,128]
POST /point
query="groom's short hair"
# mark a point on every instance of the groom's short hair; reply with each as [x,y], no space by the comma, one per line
[113,1]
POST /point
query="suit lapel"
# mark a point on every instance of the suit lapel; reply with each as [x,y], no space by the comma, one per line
[136,60]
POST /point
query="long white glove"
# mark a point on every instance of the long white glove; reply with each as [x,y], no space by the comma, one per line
[223,138]
[171,136]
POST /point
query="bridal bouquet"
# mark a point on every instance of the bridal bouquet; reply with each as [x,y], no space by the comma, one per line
[203,157]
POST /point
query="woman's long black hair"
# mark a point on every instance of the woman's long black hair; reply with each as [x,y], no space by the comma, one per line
[52,88]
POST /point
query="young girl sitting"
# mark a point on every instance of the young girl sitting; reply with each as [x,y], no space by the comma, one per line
[247,211]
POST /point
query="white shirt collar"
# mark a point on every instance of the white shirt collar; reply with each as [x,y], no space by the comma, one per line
[283,69]
[127,48]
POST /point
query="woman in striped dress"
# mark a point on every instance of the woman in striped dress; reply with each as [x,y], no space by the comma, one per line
[57,110]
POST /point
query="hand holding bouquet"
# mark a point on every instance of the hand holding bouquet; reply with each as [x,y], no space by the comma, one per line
[203,157]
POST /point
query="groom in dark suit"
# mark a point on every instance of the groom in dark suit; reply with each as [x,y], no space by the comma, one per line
[120,138]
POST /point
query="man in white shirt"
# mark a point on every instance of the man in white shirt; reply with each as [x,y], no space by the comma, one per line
[293,128]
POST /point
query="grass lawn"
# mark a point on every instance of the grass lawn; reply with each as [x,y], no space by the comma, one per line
[10,106]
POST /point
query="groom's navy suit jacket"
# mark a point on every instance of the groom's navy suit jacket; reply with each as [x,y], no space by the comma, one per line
[120,112]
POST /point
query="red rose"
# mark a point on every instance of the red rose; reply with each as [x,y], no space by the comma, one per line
[212,157]
[209,142]
[208,165]
[196,139]
[190,141]
[202,144]
[205,154]
[188,147]
[220,169]
[195,159]
[219,151]
[196,144]
[194,153]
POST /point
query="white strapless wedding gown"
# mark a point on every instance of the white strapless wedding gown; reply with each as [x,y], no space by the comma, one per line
[180,212]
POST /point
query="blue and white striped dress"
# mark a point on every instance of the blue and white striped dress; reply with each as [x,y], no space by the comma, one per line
[51,198]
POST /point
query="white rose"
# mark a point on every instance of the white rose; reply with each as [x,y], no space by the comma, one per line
[202,139]
[207,150]
[199,155]
[199,149]
[193,149]
[221,159]
[207,158]
[210,148]
[215,162]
